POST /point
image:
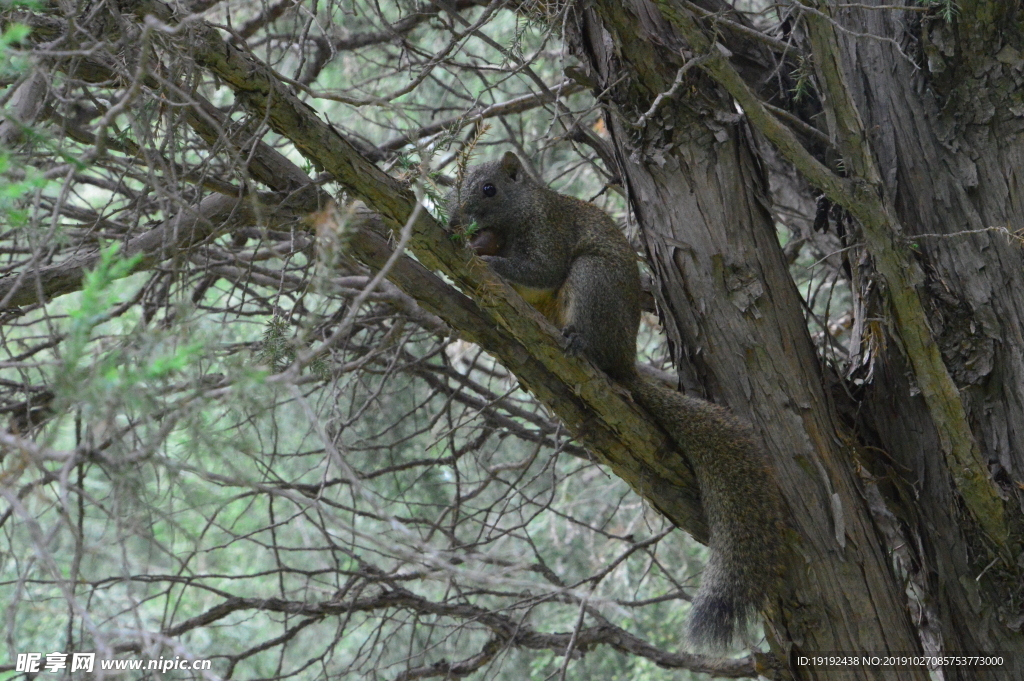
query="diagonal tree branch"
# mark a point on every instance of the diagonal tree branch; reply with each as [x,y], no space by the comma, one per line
[628,441]
[595,411]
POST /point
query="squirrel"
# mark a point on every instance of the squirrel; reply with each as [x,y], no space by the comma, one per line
[569,260]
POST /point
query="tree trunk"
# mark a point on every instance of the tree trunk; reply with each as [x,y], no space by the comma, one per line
[736,323]
[947,138]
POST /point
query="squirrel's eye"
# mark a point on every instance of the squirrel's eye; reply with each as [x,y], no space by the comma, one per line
[490,189]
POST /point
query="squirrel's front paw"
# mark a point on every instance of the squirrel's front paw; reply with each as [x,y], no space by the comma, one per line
[574,342]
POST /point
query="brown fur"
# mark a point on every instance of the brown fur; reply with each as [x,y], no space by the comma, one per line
[568,259]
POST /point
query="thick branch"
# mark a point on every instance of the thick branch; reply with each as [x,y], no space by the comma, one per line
[596,412]
[615,430]
[898,266]
[216,214]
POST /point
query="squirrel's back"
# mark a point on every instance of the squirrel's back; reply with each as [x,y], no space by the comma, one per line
[569,259]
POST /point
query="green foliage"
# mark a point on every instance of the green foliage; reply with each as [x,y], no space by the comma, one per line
[277,349]
[412,169]
[13,190]
[803,76]
[464,158]
[463,234]
[29,179]
[13,34]
[95,302]
[948,10]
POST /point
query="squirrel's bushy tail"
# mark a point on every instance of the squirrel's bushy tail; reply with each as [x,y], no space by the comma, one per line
[741,503]
[724,605]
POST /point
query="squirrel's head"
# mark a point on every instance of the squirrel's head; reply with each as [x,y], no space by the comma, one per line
[496,197]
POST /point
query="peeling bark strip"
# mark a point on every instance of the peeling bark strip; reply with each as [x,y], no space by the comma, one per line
[864,200]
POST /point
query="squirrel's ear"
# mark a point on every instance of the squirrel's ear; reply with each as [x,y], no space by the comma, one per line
[511,165]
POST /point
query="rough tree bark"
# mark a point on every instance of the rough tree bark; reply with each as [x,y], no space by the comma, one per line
[942,155]
[697,193]
[948,140]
